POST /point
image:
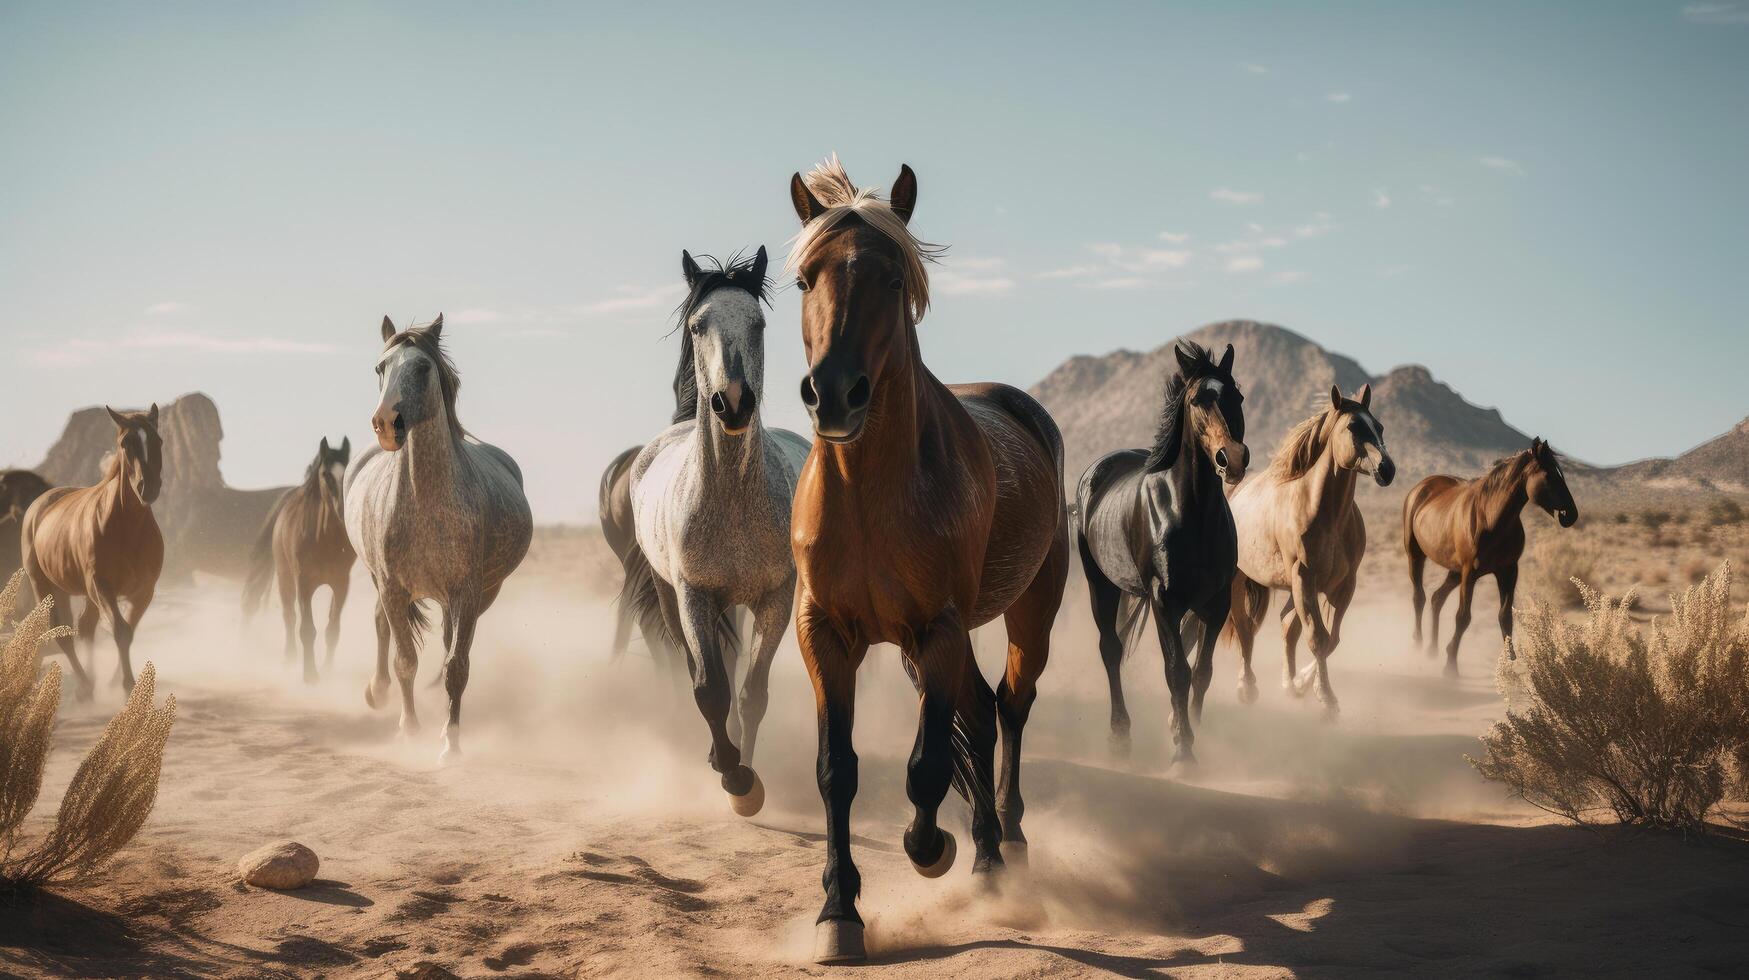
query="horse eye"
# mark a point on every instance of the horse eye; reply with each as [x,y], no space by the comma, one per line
[896,285]
[801,284]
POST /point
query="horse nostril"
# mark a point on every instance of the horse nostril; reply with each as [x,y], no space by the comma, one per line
[810,394]
[857,397]
[1221,458]
[719,405]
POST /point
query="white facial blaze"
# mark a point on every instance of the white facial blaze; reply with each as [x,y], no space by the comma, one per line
[733,329]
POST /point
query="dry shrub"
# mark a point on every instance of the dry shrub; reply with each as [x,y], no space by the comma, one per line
[1554,563]
[114,787]
[1659,575]
[1606,721]
[1695,570]
[1723,512]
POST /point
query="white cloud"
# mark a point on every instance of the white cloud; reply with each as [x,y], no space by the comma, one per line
[473,317]
[1288,276]
[976,264]
[83,350]
[166,309]
[1244,263]
[1716,13]
[1230,196]
[1503,165]
[633,299]
[1121,282]
[1175,237]
[1338,97]
[1381,198]
[1071,272]
[1254,68]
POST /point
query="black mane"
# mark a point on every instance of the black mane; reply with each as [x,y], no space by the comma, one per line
[1170,433]
[740,272]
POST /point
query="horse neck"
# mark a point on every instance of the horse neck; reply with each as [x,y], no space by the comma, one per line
[1329,487]
[431,458]
[900,409]
[725,456]
[1192,474]
[118,496]
[1500,506]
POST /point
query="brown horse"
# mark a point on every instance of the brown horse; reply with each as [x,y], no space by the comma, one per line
[102,543]
[923,511]
[18,490]
[1299,531]
[303,543]
[1474,528]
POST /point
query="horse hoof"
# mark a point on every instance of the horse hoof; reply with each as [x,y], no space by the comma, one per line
[373,695]
[1014,854]
[409,727]
[1451,671]
[839,941]
[1184,765]
[941,865]
[1120,744]
[751,802]
[1248,692]
[1332,712]
[311,677]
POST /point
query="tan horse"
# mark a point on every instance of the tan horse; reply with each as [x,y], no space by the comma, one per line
[1300,531]
[303,544]
[1474,529]
[102,543]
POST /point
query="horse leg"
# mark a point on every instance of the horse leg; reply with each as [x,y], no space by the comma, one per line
[1212,618]
[769,622]
[699,613]
[455,675]
[1439,594]
[936,660]
[87,630]
[1106,599]
[1339,599]
[337,590]
[307,629]
[1466,592]
[1506,580]
[288,609]
[832,659]
[398,607]
[110,607]
[1290,645]
[61,615]
[1167,615]
[1417,564]
[732,671]
[378,686]
[1028,622]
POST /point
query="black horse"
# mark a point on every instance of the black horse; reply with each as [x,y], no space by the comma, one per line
[1155,530]
[18,490]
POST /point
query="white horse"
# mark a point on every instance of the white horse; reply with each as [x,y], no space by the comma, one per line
[711,502]
[434,514]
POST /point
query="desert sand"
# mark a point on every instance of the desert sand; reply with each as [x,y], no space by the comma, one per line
[585,834]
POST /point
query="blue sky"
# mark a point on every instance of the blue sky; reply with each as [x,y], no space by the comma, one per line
[1545,203]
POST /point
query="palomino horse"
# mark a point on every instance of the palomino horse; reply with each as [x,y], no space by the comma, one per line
[924,511]
[711,501]
[1474,529]
[1300,531]
[303,543]
[102,543]
[434,514]
[1156,532]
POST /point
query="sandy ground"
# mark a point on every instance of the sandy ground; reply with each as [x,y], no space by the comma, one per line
[585,834]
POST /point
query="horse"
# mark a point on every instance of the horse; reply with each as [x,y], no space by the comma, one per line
[434,514]
[1300,531]
[1156,534]
[18,490]
[303,544]
[924,511]
[711,509]
[103,543]
[1474,528]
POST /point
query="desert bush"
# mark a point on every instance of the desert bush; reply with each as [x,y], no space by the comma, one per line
[1695,571]
[114,787]
[1622,517]
[1659,575]
[1724,511]
[1606,721]
[1554,563]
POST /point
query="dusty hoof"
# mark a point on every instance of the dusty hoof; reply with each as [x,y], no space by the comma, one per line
[1451,671]
[751,803]
[1332,711]
[409,727]
[1184,766]
[1119,743]
[1248,692]
[373,695]
[839,941]
[311,677]
[1014,854]
[949,848]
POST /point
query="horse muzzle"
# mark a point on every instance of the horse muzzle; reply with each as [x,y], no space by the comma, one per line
[1567,516]
[734,407]
[837,401]
[1231,465]
[391,429]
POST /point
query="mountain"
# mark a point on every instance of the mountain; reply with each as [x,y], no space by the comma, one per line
[1112,401]
[1718,464]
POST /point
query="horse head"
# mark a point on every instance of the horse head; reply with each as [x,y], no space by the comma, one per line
[724,339]
[1215,409]
[139,451]
[1546,484]
[1358,438]
[417,381]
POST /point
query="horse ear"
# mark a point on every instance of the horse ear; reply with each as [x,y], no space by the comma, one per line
[388,329]
[1185,362]
[436,328]
[1227,360]
[1366,395]
[324,446]
[346,446]
[689,268]
[116,417]
[1335,397]
[152,414]
[759,263]
[808,207]
[903,199]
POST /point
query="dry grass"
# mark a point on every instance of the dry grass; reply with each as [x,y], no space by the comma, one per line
[1553,563]
[115,786]
[1606,721]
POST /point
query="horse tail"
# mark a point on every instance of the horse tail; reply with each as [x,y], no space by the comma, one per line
[1250,602]
[1132,617]
[639,597]
[261,567]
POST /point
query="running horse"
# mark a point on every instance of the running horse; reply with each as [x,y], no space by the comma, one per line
[924,511]
[434,514]
[1300,532]
[103,543]
[1156,534]
[1474,528]
[303,544]
[18,490]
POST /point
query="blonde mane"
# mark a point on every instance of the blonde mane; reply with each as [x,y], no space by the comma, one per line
[831,185]
[1301,447]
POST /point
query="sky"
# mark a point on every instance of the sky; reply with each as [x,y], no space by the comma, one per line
[1544,203]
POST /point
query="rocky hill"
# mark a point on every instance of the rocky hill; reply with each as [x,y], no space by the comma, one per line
[1720,464]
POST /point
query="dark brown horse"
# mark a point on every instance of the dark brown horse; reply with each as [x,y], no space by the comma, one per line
[1474,528]
[102,543]
[18,490]
[923,511]
[303,544]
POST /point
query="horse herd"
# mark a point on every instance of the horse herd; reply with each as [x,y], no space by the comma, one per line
[918,512]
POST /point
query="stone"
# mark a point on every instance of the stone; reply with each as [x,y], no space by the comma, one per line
[284,865]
